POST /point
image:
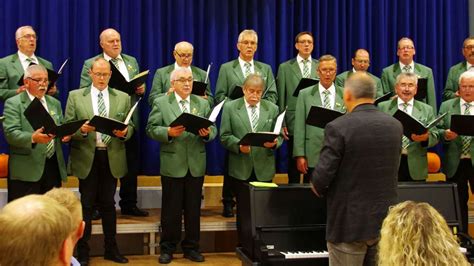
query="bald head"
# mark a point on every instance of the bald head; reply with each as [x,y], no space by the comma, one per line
[183,54]
[359,88]
[110,42]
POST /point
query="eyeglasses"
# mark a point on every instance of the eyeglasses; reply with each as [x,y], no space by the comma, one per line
[246,43]
[327,71]
[407,85]
[100,75]
[361,61]
[183,81]
[183,55]
[467,87]
[406,48]
[39,81]
[29,36]
[469,47]
[305,41]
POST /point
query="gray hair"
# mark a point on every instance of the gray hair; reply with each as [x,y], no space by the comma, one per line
[407,75]
[175,72]
[361,85]
[19,31]
[176,47]
[405,39]
[248,32]
[255,80]
[34,69]
[466,74]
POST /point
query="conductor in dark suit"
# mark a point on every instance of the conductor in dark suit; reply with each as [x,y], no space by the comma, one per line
[358,194]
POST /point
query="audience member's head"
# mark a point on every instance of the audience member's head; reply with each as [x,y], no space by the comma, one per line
[416,234]
[35,230]
[68,199]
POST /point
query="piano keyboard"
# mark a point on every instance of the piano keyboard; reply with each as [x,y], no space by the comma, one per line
[305,254]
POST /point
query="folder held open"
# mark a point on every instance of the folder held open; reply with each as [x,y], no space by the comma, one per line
[412,125]
[259,138]
[319,116]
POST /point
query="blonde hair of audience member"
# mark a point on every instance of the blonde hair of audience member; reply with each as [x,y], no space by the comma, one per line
[416,234]
[35,230]
[68,199]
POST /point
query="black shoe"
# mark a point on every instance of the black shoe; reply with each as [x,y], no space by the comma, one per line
[194,255]
[134,211]
[96,215]
[228,211]
[83,260]
[165,258]
[114,255]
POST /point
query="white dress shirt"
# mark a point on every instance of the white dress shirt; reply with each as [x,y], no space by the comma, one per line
[242,66]
[409,107]
[187,104]
[95,108]
[412,64]
[249,111]
[332,95]
[23,60]
[122,67]
[300,60]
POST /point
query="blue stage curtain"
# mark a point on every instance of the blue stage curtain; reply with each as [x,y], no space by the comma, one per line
[150,29]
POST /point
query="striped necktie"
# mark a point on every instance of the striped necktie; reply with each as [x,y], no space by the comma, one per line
[405,140]
[254,118]
[103,112]
[248,69]
[466,140]
[326,101]
[407,69]
[305,68]
[115,62]
[31,61]
[183,106]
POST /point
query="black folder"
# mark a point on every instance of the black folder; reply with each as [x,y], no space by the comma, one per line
[39,117]
[106,125]
[237,92]
[421,90]
[258,138]
[383,98]
[462,124]
[191,122]
[199,88]
[304,83]
[412,125]
[319,116]
[118,81]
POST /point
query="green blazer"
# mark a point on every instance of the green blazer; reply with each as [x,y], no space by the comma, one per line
[308,140]
[133,70]
[11,71]
[235,124]
[390,73]
[81,157]
[341,80]
[452,82]
[416,157]
[230,75]
[161,83]
[27,160]
[186,152]
[453,148]
[289,75]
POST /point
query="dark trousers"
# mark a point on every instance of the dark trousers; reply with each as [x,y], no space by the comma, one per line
[463,175]
[128,183]
[307,176]
[99,186]
[49,179]
[227,192]
[293,173]
[404,171]
[180,196]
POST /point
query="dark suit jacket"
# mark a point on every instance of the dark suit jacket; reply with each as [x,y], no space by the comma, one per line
[357,172]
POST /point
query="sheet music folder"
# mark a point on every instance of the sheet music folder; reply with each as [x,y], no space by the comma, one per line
[199,88]
[191,122]
[259,138]
[462,124]
[118,81]
[39,117]
[237,92]
[53,76]
[412,125]
[107,125]
[304,83]
[319,116]
[421,89]
[383,98]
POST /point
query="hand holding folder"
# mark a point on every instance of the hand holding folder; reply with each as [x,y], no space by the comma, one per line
[107,125]
[260,138]
[194,123]
[39,117]
[412,125]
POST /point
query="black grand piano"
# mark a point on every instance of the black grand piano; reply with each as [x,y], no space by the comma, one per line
[287,225]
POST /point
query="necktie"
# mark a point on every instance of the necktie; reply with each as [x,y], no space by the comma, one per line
[248,71]
[407,69]
[254,117]
[31,61]
[115,62]
[103,112]
[183,106]
[305,68]
[50,145]
[326,102]
[405,140]
[466,140]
